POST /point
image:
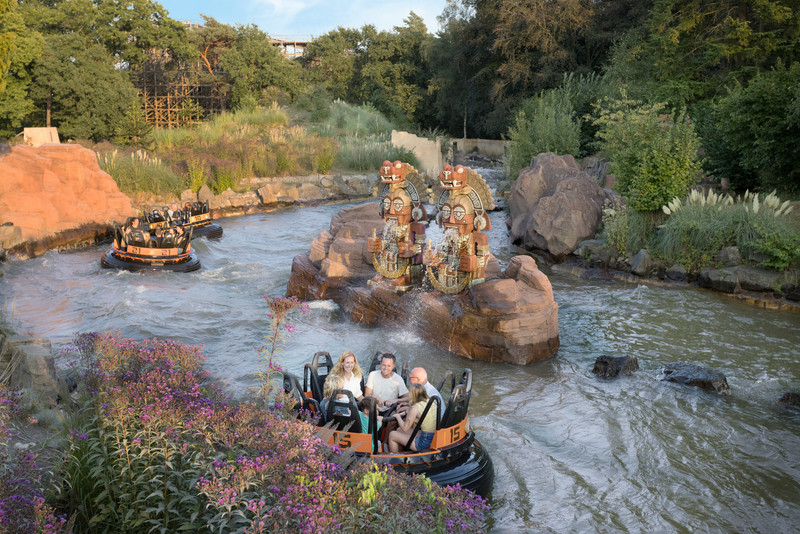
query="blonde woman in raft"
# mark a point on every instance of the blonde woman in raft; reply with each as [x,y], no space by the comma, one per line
[417,400]
[348,369]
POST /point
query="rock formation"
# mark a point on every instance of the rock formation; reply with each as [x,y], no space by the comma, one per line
[511,317]
[56,188]
[554,205]
[28,364]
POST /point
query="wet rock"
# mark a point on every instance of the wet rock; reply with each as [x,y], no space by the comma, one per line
[752,279]
[789,400]
[594,251]
[694,375]
[613,366]
[791,292]
[724,280]
[28,364]
[642,264]
[729,257]
[677,273]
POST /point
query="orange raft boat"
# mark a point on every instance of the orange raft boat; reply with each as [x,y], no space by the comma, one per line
[455,456]
[151,256]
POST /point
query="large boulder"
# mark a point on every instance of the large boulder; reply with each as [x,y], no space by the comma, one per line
[55,188]
[554,205]
[28,364]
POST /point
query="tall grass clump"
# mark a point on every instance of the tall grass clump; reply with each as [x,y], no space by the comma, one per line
[702,224]
[139,171]
[347,120]
[368,155]
[162,449]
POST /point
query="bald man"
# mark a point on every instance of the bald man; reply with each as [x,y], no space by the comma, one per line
[418,375]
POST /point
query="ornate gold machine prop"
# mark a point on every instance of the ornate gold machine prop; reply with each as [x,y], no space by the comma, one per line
[401,254]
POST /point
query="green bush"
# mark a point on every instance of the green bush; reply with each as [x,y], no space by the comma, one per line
[196,174]
[545,123]
[653,155]
[755,130]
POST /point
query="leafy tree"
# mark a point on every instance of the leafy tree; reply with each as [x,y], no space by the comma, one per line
[15,100]
[754,132]
[7,39]
[130,29]
[653,155]
[254,64]
[330,60]
[89,95]
[545,123]
[211,39]
[698,45]
[392,71]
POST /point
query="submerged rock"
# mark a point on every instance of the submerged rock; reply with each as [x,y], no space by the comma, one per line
[695,375]
[613,366]
[789,400]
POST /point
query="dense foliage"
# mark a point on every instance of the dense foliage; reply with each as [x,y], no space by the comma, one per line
[653,155]
[731,64]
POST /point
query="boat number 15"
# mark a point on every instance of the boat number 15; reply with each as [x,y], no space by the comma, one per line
[455,434]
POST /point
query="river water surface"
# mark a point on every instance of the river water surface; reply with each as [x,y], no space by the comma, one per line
[572,453]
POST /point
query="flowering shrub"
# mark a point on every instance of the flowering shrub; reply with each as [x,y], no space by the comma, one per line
[22,504]
[160,448]
[279,310]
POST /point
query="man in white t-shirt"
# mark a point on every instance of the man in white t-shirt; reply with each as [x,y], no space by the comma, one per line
[385,385]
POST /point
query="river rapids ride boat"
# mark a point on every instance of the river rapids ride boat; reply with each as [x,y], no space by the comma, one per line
[140,250]
[194,215]
[455,456]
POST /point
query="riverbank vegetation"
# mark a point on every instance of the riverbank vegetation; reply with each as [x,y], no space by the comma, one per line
[155,445]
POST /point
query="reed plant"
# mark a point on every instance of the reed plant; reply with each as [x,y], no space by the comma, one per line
[368,155]
[703,223]
[139,171]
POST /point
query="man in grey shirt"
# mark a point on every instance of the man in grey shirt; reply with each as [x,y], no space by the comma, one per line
[385,385]
[418,375]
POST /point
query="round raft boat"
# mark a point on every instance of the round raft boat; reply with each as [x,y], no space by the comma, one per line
[455,456]
[145,253]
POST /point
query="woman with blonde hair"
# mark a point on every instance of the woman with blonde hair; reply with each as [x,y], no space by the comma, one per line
[332,383]
[348,369]
[417,400]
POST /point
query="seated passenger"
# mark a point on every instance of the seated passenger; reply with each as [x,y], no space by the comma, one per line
[386,385]
[419,375]
[418,399]
[332,383]
[347,367]
[134,234]
[366,406]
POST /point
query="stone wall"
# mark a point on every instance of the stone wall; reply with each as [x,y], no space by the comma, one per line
[485,147]
[429,153]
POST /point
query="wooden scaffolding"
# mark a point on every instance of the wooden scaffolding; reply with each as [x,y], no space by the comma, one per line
[174,96]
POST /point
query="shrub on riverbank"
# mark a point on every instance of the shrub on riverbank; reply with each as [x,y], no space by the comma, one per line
[159,447]
[691,231]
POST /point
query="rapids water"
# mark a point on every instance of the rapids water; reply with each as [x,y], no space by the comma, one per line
[572,453]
